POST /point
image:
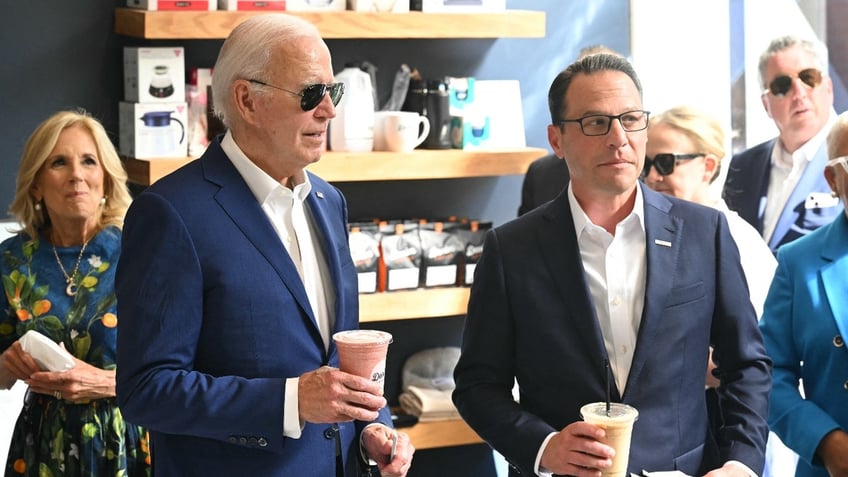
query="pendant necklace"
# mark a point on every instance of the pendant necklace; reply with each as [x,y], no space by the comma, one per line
[71,289]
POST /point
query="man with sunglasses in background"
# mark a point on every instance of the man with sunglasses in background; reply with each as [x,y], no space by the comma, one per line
[777,186]
[234,274]
[611,291]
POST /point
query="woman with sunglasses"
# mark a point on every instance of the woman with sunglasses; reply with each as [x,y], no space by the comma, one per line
[684,153]
[804,325]
[683,157]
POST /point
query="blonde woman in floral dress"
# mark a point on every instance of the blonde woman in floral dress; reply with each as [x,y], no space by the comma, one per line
[58,277]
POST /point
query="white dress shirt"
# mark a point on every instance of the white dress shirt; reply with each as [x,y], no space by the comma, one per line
[616,270]
[287,211]
[786,171]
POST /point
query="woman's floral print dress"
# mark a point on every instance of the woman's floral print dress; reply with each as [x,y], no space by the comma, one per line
[54,437]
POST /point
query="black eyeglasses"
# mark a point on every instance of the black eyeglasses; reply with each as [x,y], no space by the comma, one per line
[311,96]
[782,84]
[600,124]
[664,163]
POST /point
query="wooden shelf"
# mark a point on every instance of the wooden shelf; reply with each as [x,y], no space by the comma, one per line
[435,434]
[209,25]
[378,166]
[413,304]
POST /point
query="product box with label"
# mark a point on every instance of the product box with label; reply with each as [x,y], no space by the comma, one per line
[457,6]
[154,74]
[493,120]
[382,6]
[173,4]
[315,5]
[152,130]
[200,80]
[252,5]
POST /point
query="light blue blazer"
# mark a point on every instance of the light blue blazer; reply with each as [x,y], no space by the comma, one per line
[214,318]
[804,325]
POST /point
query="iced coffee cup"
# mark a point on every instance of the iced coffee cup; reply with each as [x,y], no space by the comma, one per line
[618,426]
[363,353]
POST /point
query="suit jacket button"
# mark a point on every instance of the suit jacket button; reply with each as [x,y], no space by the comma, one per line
[243,440]
[232,440]
[838,341]
[262,442]
[329,433]
[845,385]
[253,441]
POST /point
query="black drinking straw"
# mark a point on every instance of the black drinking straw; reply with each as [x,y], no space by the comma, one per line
[607,381]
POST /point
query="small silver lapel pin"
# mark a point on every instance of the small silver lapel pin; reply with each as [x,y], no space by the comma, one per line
[664,243]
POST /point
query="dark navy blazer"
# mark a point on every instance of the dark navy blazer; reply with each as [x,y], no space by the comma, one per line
[531,317]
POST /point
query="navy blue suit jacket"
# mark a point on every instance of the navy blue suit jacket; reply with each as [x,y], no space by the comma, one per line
[214,318]
[531,317]
[746,191]
[544,180]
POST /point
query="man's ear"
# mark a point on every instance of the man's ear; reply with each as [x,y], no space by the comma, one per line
[555,139]
[244,99]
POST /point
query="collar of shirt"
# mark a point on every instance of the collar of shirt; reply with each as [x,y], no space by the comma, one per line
[260,183]
[581,220]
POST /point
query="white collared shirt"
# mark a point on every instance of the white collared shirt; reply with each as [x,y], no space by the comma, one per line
[287,211]
[616,270]
[615,267]
[786,171]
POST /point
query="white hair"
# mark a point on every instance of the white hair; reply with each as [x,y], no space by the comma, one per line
[247,53]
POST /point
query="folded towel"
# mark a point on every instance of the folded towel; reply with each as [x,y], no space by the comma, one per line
[428,404]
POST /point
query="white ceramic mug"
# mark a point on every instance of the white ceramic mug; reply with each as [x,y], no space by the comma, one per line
[399,131]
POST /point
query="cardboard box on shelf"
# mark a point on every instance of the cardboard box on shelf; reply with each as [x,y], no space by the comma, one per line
[173,4]
[154,74]
[152,130]
[315,5]
[457,6]
[278,5]
[383,6]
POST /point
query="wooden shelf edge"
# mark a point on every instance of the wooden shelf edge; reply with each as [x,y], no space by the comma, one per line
[436,434]
[378,166]
[413,304]
[183,25]
[423,164]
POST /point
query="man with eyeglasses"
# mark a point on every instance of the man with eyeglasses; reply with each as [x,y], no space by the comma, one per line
[611,291]
[776,185]
[234,274]
[547,176]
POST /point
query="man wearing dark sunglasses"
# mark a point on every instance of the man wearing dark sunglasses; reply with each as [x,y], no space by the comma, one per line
[235,272]
[769,184]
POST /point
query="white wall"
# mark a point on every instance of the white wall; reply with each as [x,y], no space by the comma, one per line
[681,50]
